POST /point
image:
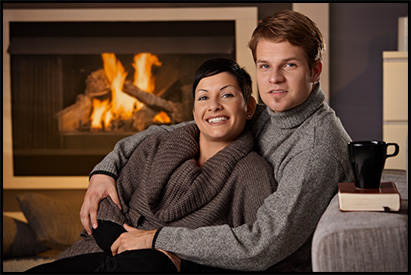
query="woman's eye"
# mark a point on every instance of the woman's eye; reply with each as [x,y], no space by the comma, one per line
[228,95]
[202,98]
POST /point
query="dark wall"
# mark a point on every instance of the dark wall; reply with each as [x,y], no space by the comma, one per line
[359,33]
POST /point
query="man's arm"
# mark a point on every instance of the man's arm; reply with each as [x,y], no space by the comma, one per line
[116,159]
[284,223]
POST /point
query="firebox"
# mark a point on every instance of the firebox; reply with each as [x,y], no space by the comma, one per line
[79,86]
[70,101]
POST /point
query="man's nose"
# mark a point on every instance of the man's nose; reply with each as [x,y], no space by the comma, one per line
[276,76]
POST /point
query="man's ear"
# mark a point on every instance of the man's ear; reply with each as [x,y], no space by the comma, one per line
[251,105]
[316,71]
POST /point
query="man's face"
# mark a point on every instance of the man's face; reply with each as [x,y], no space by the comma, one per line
[283,75]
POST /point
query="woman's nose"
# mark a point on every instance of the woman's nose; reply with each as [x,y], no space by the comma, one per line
[214,105]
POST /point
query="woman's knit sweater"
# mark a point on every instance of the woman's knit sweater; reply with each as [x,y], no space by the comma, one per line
[161,185]
[307,147]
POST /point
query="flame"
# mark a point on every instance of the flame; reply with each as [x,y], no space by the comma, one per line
[162,117]
[122,106]
[143,79]
[99,112]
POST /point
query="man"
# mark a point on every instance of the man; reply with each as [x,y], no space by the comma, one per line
[297,132]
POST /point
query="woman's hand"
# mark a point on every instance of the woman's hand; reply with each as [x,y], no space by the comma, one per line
[140,239]
[100,187]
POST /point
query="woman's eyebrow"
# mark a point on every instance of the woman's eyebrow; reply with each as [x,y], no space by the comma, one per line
[226,86]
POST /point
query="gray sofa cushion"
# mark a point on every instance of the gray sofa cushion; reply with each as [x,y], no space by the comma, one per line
[56,223]
[363,241]
[19,239]
[400,178]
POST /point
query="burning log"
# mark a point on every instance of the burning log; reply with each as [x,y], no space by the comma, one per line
[172,92]
[111,103]
[97,84]
[144,118]
[75,116]
[157,103]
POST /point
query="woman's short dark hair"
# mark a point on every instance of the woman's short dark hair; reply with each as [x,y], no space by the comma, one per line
[219,65]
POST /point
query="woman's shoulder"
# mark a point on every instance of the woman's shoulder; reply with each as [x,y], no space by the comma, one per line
[255,168]
[258,160]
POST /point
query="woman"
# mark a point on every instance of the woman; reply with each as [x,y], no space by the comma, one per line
[201,174]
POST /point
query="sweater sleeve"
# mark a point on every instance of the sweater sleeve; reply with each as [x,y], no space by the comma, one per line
[116,159]
[284,222]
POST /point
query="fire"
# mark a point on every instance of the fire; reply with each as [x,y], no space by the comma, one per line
[99,113]
[123,106]
[162,117]
[143,79]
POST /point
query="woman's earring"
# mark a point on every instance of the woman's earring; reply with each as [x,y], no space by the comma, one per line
[248,116]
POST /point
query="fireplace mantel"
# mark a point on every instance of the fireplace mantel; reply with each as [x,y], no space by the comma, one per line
[245,22]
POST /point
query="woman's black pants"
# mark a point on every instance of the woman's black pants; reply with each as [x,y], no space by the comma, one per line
[133,261]
[137,261]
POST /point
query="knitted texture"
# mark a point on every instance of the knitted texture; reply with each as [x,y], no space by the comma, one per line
[307,148]
[161,185]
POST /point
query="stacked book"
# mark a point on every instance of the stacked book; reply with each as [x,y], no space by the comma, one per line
[385,198]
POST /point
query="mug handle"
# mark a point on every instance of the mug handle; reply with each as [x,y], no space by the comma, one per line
[397,149]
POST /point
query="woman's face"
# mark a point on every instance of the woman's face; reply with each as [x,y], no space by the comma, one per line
[219,110]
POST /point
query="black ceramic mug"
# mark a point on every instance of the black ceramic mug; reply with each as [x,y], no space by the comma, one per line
[367,160]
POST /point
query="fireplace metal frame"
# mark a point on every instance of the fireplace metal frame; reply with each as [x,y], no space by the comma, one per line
[245,22]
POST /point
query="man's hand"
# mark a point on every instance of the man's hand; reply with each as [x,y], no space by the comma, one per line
[133,239]
[140,239]
[100,187]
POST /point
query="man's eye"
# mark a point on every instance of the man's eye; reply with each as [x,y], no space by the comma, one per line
[264,66]
[290,65]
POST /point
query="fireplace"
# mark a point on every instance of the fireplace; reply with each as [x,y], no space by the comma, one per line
[69,93]
[59,76]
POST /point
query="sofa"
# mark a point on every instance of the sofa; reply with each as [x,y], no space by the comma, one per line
[342,241]
[363,241]
[44,227]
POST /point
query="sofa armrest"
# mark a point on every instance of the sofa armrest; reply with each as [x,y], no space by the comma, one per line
[363,241]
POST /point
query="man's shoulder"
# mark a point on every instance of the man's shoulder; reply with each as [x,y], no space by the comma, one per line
[329,124]
[323,132]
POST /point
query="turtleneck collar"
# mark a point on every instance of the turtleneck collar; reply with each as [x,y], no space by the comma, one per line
[297,115]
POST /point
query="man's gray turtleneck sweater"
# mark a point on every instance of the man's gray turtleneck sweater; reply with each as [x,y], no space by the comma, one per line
[307,147]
